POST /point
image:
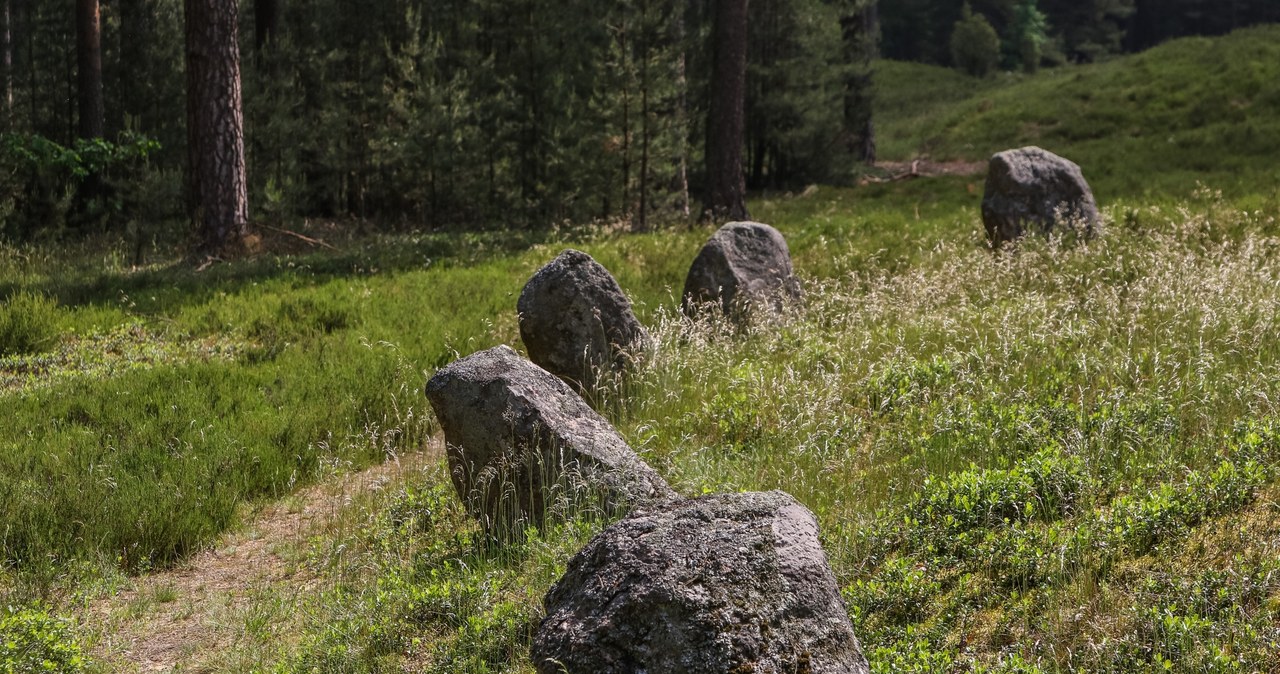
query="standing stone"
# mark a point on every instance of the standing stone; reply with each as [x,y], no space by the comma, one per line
[520,443]
[724,584]
[743,265]
[576,323]
[1033,189]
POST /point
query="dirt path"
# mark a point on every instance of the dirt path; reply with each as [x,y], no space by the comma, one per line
[924,168]
[253,580]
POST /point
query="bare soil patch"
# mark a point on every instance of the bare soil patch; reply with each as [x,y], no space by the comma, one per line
[253,581]
[927,168]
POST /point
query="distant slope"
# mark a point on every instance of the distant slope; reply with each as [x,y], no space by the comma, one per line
[1196,109]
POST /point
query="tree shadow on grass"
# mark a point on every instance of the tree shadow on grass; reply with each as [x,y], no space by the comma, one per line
[177,285]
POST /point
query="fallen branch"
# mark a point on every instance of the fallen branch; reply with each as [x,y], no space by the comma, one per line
[913,173]
[303,237]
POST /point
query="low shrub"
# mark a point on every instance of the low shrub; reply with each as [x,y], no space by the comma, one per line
[33,641]
[28,324]
[1168,511]
[1043,486]
[898,593]
[42,185]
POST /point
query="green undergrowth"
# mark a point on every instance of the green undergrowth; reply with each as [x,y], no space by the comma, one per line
[34,642]
[28,324]
[440,596]
[172,396]
[1147,125]
[1060,459]
[1009,455]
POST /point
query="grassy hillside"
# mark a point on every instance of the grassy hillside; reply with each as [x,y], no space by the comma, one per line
[1152,124]
[1065,459]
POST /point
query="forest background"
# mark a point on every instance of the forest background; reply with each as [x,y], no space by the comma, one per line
[495,114]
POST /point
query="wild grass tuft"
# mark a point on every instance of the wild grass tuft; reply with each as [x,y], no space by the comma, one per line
[29,322]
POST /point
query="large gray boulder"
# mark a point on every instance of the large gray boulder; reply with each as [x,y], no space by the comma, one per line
[521,443]
[744,265]
[723,584]
[1031,189]
[576,323]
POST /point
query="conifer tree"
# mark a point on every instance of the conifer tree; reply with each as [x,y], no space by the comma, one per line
[861,33]
[216,126]
[1030,32]
[975,47]
[726,184]
[92,117]
[6,45]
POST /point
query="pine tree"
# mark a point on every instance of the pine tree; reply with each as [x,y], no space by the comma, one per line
[1089,29]
[92,117]
[861,33]
[266,22]
[1029,34]
[726,184]
[975,47]
[6,45]
[216,126]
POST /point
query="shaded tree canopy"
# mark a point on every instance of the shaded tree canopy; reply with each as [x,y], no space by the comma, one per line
[1077,30]
[464,112]
[500,113]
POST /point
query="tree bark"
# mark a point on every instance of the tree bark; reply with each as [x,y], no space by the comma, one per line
[30,22]
[215,127]
[135,97]
[726,185]
[89,69]
[682,112]
[7,36]
[642,222]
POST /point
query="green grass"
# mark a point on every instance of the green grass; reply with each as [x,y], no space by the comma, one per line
[28,323]
[1063,459]
[1149,125]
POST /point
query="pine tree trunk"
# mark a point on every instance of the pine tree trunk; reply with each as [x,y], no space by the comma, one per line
[30,23]
[726,185]
[641,223]
[136,98]
[89,69]
[626,120]
[6,34]
[215,127]
[682,113]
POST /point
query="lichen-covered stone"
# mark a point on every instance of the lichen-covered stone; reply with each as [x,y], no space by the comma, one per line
[723,584]
[576,323]
[520,442]
[1031,189]
[744,265]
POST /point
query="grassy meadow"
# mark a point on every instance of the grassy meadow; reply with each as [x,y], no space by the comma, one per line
[1144,126]
[1065,458]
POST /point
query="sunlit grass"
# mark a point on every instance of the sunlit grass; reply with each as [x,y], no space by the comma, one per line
[1147,125]
[1061,459]
[987,440]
